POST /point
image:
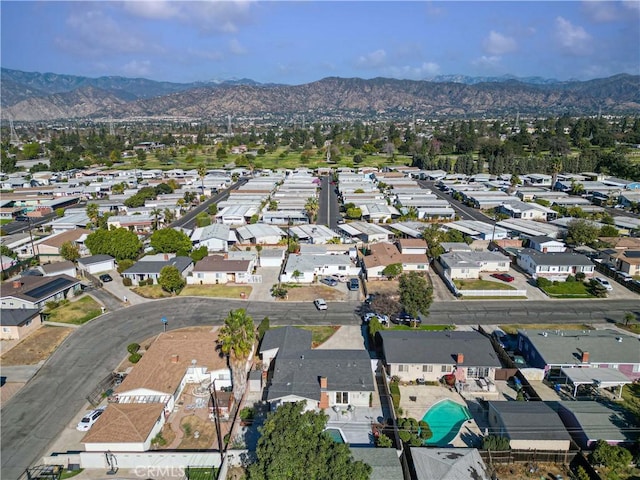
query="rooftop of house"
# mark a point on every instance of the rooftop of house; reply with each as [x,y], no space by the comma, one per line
[412,243]
[621,242]
[309,262]
[50,268]
[443,347]
[384,462]
[155,266]
[598,421]
[290,338]
[530,421]
[165,363]
[15,317]
[215,230]
[34,289]
[93,259]
[556,258]
[58,239]
[383,254]
[559,347]
[470,259]
[632,257]
[448,464]
[125,423]
[217,263]
[299,373]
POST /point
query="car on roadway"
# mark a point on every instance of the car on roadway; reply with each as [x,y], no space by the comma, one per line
[105,277]
[405,318]
[330,281]
[353,284]
[320,304]
[505,277]
[89,419]
[605,283]
[383,319]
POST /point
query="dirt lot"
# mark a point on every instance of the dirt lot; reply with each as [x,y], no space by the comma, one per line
[383,286]
[308,293]
[36,347]
[521,471]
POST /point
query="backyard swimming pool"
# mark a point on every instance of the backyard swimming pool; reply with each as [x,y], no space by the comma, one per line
[336,435]
[445,419]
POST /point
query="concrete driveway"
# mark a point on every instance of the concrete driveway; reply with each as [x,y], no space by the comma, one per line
[262,291]
[117,288]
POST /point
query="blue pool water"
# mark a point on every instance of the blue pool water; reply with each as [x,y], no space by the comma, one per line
[445,419]
[335,434]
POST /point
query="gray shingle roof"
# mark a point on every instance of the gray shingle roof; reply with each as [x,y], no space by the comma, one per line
[424,347]
[298,373]
[14,317]
[94,259]
[384,462]
[286,339]
[530,421]
[557,258]
[448,464]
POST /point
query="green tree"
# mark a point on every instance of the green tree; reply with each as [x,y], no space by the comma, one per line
[354,213]
[120,243]
[317,456]
[156,213]
[236,339]
[31,150]
[416,294]
[170,279]
[168,240]
[7,252]
[392,270]
[69,251]
[296,275]
[311,207]
[203,219]
[199,253]
[202,172]
[433,235]
[60,212]
[386,304]
[93,212]
[609,231]
[374,326]
[596,289]
[581,232]
[628,318]
[611,456]
[212,209]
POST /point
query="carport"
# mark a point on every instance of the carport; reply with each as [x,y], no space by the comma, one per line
[598,377]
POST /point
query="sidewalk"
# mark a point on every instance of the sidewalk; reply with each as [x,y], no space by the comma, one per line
[117,288]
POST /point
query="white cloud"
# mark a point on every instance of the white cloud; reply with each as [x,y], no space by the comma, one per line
[600,11]
[498,44]
[206,16]
[213,55]
[137,68]
[487,61]
[572,38]
[374,59]
[236,47]
[410,72]
[632,5]
[93,33]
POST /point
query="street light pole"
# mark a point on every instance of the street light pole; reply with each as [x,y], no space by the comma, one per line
[216,417]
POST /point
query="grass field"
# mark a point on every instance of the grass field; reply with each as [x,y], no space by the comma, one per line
[567,290]
[431,328]
[513,329]
[482,285]
[320,334]
[151,291]
[76,313]
[219,291]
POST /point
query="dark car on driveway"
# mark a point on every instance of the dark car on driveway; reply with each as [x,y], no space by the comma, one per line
[505,277]
[354,284]
[405,318]
[105,278]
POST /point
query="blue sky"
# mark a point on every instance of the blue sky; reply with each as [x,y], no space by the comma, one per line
[300,42]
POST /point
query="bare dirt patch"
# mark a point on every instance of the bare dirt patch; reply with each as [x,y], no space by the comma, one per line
[389,287]
[198,433]
[523,471]
[36,347]
[308,293]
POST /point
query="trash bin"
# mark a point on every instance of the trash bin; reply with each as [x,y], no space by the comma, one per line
[243,295]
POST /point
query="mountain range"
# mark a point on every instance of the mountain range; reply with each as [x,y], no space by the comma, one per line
[31,96]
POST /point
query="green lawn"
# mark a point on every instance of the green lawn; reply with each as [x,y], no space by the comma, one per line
[76,313]
[567,290]
[220,291]
[320,334]
[431,328]
[513,329]
[631,398]
[473,284]
[151,291]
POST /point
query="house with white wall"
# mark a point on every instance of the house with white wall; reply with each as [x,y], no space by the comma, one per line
[307,267]
[555,266]
[216,269]
[217,237]
[463,265]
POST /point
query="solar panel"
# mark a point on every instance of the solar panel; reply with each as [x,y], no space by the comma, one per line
[55,285]
[632,254]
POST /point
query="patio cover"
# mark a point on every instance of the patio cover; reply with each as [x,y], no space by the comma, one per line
[599,377]
[349,229]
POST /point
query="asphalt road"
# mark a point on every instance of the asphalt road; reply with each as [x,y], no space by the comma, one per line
[35,416]
[465,212]
[17,227]
[329,206]
[188,220]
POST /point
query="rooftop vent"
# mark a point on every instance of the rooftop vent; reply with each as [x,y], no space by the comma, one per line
[619,339]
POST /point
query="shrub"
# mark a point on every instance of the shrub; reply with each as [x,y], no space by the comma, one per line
[495,442]
[580,276]
[543,282]
[247,413]
[159,440]
[611,456]
[263,328]
[127,282]
[133,347]
[383,441]
[404,435]
[570,279]
[135,357]
[279,291]
[51,305]
[187,429]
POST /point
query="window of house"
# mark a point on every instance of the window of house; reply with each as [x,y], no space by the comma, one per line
[446,368]
[6,329]
[420,267]
[342,397]
[342,267]
[200,275]
[403,368]
[427,368]
[614,365]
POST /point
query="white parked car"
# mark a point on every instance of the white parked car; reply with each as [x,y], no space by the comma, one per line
[604,283]
[89,419]
[320,303]
[383,319]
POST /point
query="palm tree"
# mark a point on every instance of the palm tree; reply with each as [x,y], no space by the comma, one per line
[312,207]
[202,172]
[156,212]
[235,340]
[93,212]
[169,216]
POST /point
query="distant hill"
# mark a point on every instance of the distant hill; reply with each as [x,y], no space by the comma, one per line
[467,80]
[35,96]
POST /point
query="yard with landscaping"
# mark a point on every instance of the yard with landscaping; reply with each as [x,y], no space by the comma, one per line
[479,284]
[567,290]
[320,334]
[75,312]
[36,347]
[307,293]
[151,291]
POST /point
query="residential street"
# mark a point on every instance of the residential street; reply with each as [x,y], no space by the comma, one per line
[33,418]
[329,207]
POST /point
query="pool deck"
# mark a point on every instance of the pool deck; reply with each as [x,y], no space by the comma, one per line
[426,397]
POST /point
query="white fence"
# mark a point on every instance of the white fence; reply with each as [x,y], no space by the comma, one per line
[491,293]
[138,461]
